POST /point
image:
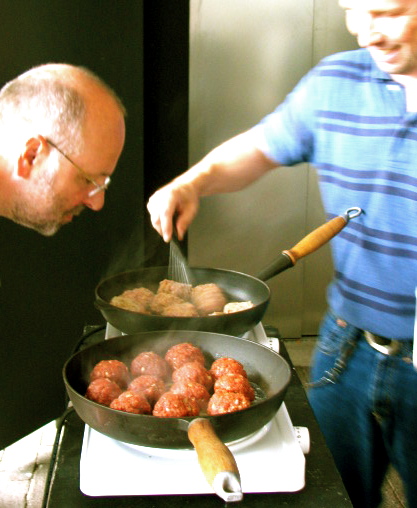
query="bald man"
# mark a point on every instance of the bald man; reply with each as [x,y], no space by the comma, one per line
[62,131]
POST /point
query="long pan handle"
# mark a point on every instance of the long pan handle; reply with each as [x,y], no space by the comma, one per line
[309,243]
[216,460]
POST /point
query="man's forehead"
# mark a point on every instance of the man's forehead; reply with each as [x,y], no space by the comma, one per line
[376,5]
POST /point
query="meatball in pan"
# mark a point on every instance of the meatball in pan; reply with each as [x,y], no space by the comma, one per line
[222,402]
[114,370]
[182,353]
[208,298]
[150,363]
[175,405]
[235,383]
[103,391]
[193,371]
[131,402]
[192,390]
[226,365]
[151,386]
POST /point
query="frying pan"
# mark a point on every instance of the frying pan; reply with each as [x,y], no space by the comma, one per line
[237,287]
[268,370]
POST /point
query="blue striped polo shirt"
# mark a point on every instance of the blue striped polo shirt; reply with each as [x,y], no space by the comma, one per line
[349,120]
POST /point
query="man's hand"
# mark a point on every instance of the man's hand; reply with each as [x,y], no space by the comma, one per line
[174,201]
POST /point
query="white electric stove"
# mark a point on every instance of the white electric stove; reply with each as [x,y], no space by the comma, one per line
[270,460]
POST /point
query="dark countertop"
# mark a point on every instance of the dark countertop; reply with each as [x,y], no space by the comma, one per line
[323,485]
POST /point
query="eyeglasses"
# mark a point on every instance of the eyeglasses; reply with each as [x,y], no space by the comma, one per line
[98,188]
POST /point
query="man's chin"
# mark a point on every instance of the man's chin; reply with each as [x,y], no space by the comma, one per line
[45,229]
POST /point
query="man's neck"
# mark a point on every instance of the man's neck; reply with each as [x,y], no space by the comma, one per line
[409,82]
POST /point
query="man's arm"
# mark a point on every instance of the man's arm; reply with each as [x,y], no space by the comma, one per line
[230,167]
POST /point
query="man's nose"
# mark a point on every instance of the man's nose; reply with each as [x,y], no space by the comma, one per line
[369,32]
[95,202]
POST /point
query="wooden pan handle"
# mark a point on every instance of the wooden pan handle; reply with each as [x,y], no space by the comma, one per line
[216,460]
[309,243]
[316,239]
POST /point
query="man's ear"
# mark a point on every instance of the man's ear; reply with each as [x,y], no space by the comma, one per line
[33,149]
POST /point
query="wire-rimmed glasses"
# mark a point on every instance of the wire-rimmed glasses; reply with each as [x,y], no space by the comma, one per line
[97,187]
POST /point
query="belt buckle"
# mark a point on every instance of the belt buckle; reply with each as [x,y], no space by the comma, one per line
[387,349]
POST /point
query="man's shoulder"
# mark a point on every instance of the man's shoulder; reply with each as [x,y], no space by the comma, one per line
[358,58]
[356,65]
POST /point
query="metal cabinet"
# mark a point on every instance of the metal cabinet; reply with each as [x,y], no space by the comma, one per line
[245,57]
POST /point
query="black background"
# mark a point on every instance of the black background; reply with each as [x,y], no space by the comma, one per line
[47,284]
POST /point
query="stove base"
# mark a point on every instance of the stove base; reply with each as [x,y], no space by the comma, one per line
[111,468]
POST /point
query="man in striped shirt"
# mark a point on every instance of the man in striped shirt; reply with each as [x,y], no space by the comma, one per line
[354,118]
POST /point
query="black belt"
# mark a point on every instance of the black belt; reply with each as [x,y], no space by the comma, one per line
[384,345]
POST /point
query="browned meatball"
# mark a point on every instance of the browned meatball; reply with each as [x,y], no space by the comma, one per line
[235,383]
[192,390]
[193,371]
[173,287]
[103,391]
[149,363]
[176,406]
[185,309]
[222,402]
[152,387]
[163,300]
[137,300]
[226,365]
[208,298]
[127,303]
[132,402]
[182,353]
[115,370]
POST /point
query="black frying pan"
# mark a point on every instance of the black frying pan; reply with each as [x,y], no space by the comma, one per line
[267,369]
[237,286]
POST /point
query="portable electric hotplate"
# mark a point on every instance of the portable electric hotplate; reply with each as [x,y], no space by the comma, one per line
[269,460]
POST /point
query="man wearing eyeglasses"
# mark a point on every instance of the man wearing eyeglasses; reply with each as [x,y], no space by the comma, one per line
[62,131]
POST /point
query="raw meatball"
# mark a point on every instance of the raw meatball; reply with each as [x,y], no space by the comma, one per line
[132,402]
[137,300]
[175,405]
[192,390]
[208,298]
[163,300]
[149,363]
[235,383]
[222,402]
[226,365]
[185,309]
[152,387]
[173,287]
[103,391]
[193,371]
[114,370]
[182,353]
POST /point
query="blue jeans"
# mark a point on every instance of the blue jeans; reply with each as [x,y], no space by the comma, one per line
[366,407]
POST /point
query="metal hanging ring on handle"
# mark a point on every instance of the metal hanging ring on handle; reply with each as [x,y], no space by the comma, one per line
[352,213]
